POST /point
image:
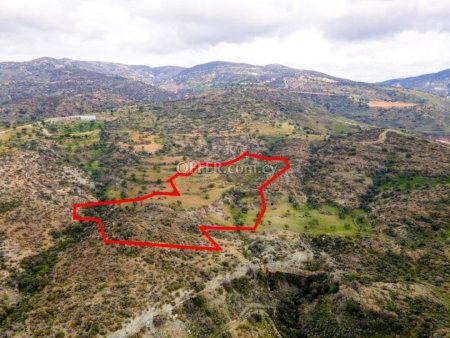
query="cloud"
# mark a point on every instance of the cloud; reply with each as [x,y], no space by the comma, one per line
[378,19]
[212,22]
[364,40]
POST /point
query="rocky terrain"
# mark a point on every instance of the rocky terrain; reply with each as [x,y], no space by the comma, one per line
[354,242]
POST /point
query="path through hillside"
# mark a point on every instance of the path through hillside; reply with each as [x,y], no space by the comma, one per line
[383,135]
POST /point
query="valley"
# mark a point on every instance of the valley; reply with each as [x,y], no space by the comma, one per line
[354,241]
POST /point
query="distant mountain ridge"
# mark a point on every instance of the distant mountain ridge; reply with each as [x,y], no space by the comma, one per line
[48,87]
[219,74]
[151,75]
[435,83]
[215,74]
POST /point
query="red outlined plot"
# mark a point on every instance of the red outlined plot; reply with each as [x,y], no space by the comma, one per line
[204,229]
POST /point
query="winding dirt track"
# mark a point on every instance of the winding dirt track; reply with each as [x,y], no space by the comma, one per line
[383,135]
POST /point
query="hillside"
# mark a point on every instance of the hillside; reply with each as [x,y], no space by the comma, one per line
[154,76]
[221,74]
[435,83]
[47,87]
[224,169]
[354,241]
[367,103]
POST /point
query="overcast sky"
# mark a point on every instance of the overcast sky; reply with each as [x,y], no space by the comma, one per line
[361,40]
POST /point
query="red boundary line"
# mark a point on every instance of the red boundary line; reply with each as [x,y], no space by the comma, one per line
[203,228]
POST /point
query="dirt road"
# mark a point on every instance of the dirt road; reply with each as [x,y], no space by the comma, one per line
[383,135]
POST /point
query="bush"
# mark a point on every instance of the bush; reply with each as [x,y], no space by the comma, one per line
[36,271]
[241,285]
[159,320]
[227,285]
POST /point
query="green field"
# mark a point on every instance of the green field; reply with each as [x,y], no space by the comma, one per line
[323,220]
[283,215]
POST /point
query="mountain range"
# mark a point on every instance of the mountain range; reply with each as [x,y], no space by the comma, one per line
[48,87]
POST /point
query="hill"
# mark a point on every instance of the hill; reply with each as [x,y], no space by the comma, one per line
[154,76]
[435,83]
[221,74]
[353,243]
[47,87]
[381,106]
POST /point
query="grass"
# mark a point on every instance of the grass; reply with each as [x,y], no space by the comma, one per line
[72,128]
[25,132]
[164,160]
[283,129]
[304,219]
[5,135]
[4,149]
[198,190]
[409,181]
[152,170]
[84,139]
[312,137]
[340,128]
[91,166]
[142,142]
[324,220]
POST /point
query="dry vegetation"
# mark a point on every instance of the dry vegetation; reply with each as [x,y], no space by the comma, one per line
[354,241]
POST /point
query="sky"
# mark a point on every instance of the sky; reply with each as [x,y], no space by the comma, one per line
[361,40]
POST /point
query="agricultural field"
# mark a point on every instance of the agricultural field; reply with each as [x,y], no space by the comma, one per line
[391,104]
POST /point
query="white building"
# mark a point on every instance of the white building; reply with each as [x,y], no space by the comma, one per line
[87,117]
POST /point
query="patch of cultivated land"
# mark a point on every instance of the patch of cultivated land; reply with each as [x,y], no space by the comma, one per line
[141,142]
[391,104]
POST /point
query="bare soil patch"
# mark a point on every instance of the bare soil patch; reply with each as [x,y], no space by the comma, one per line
[389,105]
